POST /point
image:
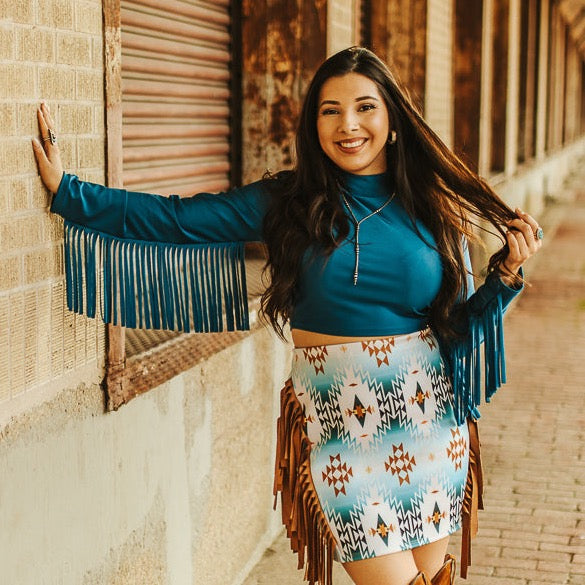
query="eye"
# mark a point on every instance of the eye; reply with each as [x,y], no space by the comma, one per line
[367,107]
[328,112]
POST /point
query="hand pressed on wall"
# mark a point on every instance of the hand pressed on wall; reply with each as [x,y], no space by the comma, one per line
[47,152]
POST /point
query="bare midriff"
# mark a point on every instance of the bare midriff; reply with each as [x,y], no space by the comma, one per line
[303,338]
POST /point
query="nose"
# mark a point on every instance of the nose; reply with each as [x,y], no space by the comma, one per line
[348,122]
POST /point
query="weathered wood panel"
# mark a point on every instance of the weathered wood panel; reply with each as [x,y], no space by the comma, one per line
[399,37]
[283,43]
[467,79]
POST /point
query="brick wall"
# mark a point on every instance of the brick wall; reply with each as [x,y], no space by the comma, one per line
[49,50]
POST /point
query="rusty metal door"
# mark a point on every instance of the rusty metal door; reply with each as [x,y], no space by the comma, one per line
[176,95]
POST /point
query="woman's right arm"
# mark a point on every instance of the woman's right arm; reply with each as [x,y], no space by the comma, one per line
[148,261]
[234,216]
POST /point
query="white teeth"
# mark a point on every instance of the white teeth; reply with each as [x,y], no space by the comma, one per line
[353,143]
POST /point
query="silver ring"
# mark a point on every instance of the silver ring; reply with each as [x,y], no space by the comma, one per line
[52,137]
[539,234]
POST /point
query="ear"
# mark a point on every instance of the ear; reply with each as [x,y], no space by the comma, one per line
[392,137]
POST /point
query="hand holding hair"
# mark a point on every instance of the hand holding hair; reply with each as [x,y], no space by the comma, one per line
[47,153]
[524,237]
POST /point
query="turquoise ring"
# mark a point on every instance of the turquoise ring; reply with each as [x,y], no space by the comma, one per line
[539,234]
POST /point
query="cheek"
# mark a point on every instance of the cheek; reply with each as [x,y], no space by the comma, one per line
[384,127]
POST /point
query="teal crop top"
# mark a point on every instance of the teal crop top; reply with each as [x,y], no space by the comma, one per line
[148,261]
[399,271]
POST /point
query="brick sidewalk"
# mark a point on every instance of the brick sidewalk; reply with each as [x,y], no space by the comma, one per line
[532,531]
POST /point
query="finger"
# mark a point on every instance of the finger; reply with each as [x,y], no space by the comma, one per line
[536,229]
[513,249]
[48,116]
[512,260]
[39,153]
[522,249]
[519,249]
[47,128]
[528,219]
[520,226]
[42,123]
[50,172]
[43,163]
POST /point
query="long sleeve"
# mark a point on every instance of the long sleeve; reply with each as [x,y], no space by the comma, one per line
[148,261]
[234,216]
[479,319]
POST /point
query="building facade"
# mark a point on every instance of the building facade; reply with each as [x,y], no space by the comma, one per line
[128,457]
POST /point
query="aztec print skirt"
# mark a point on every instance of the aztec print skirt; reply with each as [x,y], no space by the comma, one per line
[381,464]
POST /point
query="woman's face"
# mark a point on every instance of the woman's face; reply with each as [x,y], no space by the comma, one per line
[353,124]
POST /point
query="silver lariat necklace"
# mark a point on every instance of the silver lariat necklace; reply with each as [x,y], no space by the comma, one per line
[357,224]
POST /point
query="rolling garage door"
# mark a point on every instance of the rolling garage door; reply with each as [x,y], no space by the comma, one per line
[176,95]
[176,131]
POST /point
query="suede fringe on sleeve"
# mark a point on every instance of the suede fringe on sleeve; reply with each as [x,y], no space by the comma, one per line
[306,525]
[465,361]
[152,285]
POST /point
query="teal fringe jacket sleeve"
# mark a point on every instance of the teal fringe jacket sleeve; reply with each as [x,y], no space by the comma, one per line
[480,322]
[157,262]
[234,216]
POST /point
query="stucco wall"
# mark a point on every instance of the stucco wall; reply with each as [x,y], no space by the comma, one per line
[174,488]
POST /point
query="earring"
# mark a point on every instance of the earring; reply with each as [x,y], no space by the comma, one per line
[392,138]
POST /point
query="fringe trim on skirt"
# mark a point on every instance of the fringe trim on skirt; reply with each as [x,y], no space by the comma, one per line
[306,525]
[473,499]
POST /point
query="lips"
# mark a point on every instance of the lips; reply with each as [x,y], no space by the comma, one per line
[351,146]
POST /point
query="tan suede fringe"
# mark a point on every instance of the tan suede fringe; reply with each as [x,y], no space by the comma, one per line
[473,500]
[306,525]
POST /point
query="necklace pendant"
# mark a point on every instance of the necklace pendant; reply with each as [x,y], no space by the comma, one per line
[357,225]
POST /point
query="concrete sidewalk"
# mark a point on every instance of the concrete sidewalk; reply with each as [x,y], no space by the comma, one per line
[532,531]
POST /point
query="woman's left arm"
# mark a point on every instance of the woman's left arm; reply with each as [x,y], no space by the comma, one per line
[524,237]
[479,321]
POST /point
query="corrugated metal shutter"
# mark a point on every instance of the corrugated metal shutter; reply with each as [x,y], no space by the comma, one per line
[175,94]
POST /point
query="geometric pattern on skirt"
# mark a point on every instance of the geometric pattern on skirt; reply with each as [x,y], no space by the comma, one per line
[388,460]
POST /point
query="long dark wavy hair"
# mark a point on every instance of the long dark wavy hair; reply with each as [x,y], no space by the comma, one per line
[431,182]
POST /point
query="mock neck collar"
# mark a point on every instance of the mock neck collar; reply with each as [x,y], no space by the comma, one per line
[367,185]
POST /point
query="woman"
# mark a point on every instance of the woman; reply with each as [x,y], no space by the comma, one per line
[369,265]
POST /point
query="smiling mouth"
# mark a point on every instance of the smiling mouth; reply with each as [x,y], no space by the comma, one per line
[351,145]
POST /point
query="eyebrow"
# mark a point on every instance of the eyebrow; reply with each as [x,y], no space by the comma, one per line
[359,99]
